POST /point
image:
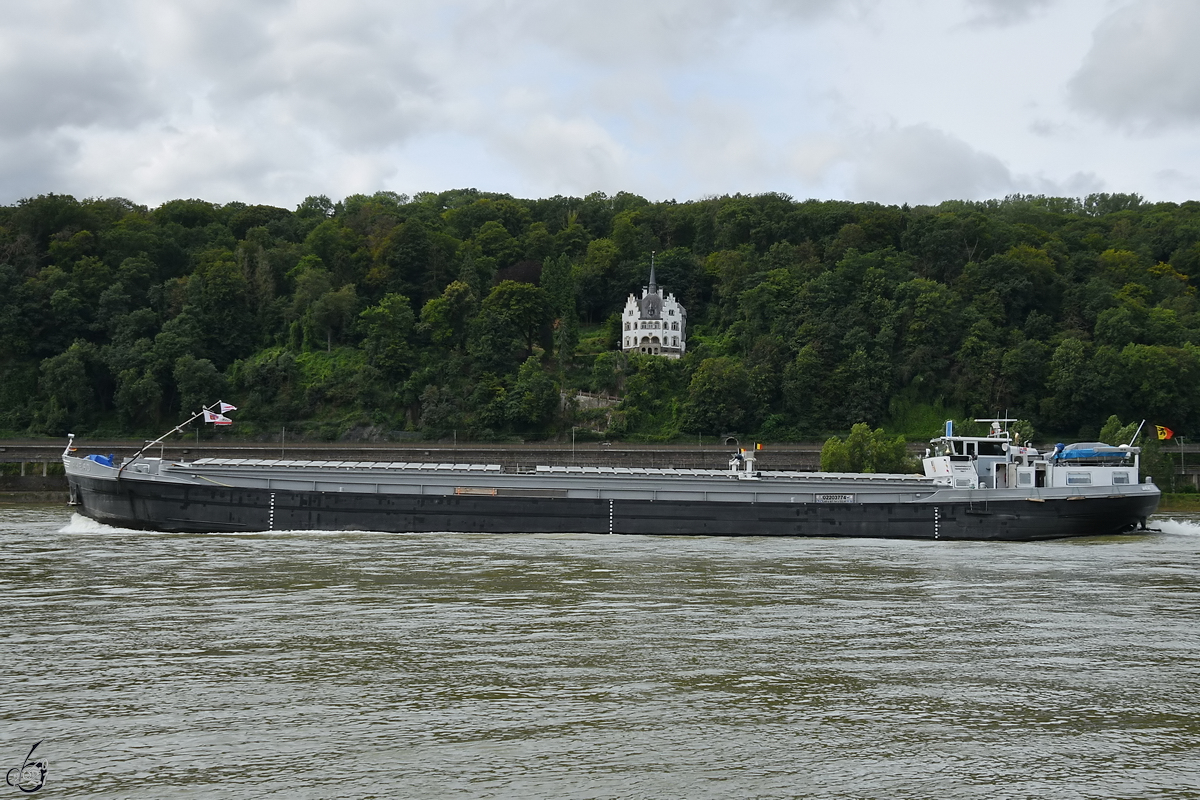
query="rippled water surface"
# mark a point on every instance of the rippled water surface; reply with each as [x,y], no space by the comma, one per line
[317,665]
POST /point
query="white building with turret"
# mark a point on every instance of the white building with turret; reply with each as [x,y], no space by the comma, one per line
[653,323]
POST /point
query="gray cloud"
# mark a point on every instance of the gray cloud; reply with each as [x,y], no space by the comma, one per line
[1144,66]
[638,31]
[350,72]
[566,153]
[1005,12]
[72,79]
[920,164]
[1078,184]
[34,164]
[1178,181]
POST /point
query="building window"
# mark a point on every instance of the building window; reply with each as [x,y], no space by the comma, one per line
[626,326]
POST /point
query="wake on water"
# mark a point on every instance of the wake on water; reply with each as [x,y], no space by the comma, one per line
[80,524]
[1176,526]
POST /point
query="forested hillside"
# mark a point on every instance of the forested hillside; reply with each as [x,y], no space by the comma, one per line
[470,312]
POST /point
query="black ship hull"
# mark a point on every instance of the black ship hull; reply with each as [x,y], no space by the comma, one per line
[179,507]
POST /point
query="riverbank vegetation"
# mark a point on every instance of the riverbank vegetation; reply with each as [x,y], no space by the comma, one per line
[480,316]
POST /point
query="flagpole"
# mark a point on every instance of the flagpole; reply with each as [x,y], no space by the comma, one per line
[177,429]
[1135,434]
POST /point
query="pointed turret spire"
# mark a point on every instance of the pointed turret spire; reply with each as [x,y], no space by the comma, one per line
[653,284]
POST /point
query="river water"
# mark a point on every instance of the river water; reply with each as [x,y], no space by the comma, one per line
[318,665]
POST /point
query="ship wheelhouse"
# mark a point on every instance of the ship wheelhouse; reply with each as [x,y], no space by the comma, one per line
[999,461]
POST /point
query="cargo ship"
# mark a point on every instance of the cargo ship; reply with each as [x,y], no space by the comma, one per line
[972,488]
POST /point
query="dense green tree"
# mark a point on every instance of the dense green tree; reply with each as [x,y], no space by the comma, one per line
[533,399]
[218,298]
[338,247]
[387,330]
[331,315]
[558,279]
[865,450]
[650,387]
[718,398]
[447,318]
[608,372]
[66,381]
[198,382]
[510,321]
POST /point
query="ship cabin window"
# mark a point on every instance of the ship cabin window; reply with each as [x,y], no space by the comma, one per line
[970,448]
[1024,478]
[1079,479]
[1120,478]
[991,448]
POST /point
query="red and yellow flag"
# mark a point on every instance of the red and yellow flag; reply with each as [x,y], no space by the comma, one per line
[1164,432]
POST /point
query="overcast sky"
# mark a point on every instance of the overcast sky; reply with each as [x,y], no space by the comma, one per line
[269,101]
